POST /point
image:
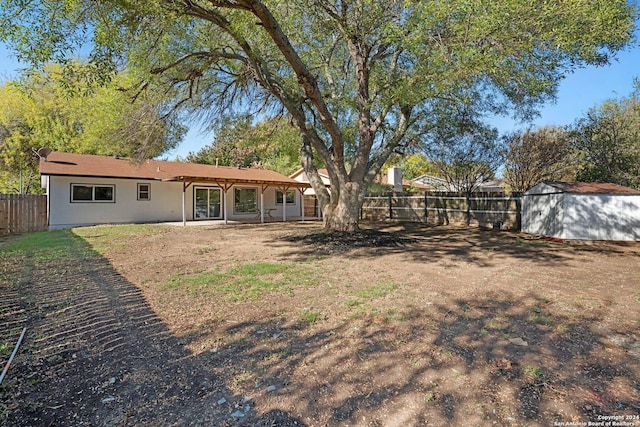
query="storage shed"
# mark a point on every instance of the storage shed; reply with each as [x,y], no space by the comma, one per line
[582,211]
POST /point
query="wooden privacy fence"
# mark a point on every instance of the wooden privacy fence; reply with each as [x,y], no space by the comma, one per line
[22,213]
[493,210]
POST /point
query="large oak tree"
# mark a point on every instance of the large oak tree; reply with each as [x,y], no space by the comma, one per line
[359,78]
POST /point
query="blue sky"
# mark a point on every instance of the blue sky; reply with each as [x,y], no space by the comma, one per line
[580,90]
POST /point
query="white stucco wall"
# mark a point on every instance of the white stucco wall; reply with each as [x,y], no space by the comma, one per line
[165,203]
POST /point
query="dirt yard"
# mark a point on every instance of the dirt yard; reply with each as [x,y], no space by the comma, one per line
[286,325]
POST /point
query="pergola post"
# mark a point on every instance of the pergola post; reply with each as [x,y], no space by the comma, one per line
[224,205]
[184,202]
[284,203]
[301,190]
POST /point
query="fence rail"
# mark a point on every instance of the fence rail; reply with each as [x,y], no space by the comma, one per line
[22,213]
[482,209]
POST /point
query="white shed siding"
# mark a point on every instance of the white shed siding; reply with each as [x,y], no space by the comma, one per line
[542,214]
[601,217]
[552,212]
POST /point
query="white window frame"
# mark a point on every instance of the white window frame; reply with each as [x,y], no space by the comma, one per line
[93,193]
[279,197]
[148,191]
[235,205]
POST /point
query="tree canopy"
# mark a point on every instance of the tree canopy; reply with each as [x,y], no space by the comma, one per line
[58,108]
[608,142]
[271,144]
[360,79]
[536,155]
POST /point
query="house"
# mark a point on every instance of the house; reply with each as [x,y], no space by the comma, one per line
[312,208]
[381,179]
[437,183]
[89,190]
[582,211]
[301,176]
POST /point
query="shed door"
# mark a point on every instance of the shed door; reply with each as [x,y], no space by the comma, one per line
[208,203]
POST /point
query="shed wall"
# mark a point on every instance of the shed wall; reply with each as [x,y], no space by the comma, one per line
[602,217]
[543,214]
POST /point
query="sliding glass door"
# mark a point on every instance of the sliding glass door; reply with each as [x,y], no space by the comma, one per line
[207,203]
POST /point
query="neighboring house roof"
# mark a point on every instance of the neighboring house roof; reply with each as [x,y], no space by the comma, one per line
[591,188]
[441,184]
[384,180]
[324,174]
[301,174]
[86,165]
[492,185]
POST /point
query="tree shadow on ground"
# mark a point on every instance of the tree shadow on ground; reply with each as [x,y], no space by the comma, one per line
[485,361]
[96,354]
[425,243]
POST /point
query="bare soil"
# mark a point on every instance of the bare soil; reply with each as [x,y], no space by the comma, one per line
[285,324]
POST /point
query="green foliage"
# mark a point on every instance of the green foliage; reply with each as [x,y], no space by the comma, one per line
[412,165]
[271,144]
[608,142]
[533,372]
[62,109]
[466,154]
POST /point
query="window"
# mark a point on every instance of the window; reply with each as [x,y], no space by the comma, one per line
[93,193]
[144,191]
[291,197]
[245,200]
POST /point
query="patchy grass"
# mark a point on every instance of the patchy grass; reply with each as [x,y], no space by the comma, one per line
[247,282]
[5,349]
[377,291]
[361,333]
[532,372]
[45,245]
[104,238]
[311,316]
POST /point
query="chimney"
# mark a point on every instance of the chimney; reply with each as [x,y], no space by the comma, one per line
[394,177]
[217,159]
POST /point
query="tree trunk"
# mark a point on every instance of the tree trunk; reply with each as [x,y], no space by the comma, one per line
[343,213]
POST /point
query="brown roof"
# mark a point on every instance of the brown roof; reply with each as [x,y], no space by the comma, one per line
[591,188]
[87,165]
